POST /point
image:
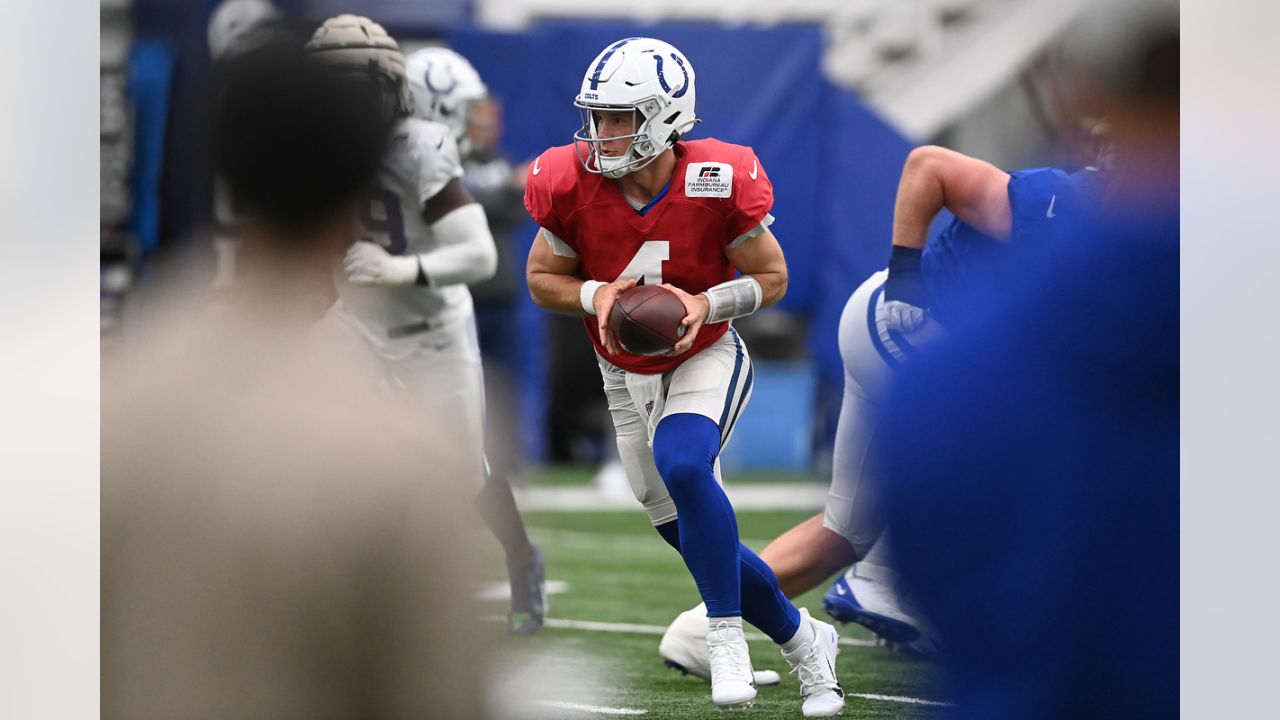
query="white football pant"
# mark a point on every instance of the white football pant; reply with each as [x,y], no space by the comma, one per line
[715,383]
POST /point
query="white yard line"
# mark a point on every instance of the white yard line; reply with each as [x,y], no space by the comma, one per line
[629,540]
[502,590]
[899,699]
[747,496]
[638,629]
[597,709]
[594,626]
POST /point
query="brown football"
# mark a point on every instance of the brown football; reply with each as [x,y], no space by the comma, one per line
[646,320]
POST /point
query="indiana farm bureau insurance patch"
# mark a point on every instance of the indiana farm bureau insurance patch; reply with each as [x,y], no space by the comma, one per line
[708,180]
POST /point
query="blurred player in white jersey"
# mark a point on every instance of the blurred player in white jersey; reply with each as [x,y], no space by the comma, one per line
[402,288]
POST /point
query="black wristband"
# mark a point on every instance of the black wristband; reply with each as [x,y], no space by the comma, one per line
[906,280]
[904,260]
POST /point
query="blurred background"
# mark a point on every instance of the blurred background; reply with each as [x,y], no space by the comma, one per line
[831,94]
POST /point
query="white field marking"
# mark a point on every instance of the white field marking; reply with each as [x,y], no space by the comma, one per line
[596,539]
[597,709]
[747,496]
[502,590]
[637,629]
[899,699]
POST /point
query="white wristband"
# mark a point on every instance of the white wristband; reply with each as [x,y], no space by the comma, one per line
[733,299]
[587,296]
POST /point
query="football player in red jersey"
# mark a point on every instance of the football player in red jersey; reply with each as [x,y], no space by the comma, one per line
[630,201]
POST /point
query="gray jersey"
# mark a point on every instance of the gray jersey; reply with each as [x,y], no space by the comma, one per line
[421,160]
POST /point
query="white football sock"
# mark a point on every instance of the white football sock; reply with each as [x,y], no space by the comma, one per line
[803,636]
[734,621]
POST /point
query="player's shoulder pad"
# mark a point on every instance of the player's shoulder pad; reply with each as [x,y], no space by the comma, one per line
[417,135]
[551,185]
[426,153]
[1038,185]
[1041,199]
[556,169]
[709,150]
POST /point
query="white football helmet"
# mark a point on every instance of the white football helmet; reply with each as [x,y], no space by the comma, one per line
[359,45]
[655,82]
[444,86]
[235,23]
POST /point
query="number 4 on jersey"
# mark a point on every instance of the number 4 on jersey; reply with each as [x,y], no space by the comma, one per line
[646,267]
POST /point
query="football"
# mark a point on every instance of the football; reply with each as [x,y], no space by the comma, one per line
[647,320]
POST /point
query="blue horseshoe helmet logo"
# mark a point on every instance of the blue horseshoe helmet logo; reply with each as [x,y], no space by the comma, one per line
[662,80]
[426,77]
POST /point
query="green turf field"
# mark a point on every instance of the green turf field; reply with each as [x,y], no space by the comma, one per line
[619,571]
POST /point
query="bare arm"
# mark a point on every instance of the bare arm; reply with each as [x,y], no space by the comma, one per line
[554,285]
[553,281]
[977,192]
[760,257]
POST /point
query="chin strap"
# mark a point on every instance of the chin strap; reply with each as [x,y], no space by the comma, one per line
[733,299]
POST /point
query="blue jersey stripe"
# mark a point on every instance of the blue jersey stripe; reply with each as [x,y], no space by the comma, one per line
[733,383]
[742,401]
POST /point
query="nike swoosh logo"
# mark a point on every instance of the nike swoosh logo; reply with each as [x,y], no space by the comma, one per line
[537,169]
[755,168]
[840,590]
[440,144]
[1052,200]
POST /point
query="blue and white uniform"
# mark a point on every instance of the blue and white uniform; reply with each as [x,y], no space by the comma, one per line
[957,263]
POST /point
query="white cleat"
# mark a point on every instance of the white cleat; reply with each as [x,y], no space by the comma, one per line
[815,665]
[732,685]
[684,648]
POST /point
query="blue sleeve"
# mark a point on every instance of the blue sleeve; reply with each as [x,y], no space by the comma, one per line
[1042,200]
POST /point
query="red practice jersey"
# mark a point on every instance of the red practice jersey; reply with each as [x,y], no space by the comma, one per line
[718,192]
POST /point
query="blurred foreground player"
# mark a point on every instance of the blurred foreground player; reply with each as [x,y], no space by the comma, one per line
[631,201]
[403,300]
[237,27]
[269,540]
[1039,534]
